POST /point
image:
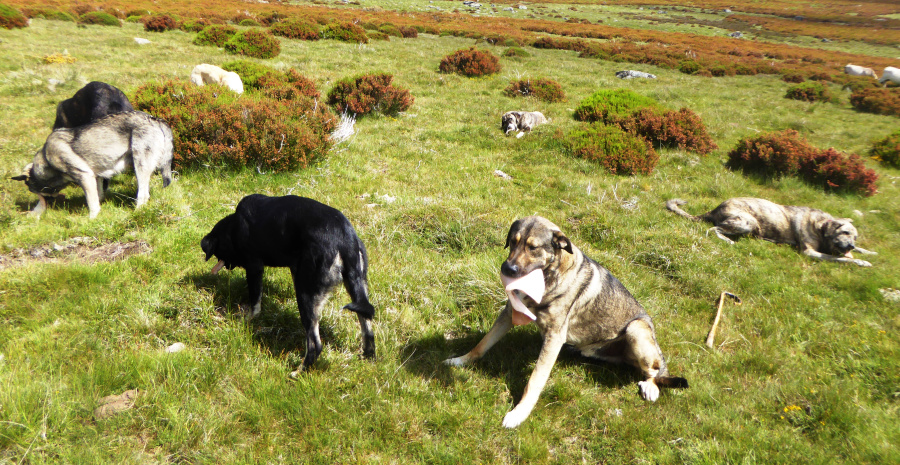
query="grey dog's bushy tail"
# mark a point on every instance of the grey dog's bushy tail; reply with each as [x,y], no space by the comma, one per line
[673,382]
[673,205]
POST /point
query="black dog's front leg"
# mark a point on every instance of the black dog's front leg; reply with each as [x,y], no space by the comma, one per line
[254,286]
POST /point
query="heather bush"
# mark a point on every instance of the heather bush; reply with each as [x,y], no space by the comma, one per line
[390,30]
[689,67]
[516,52]
[792,77]
[881,101]
[345,32]
[48,14]
[409,32]
[222,129]
[11,18]
[138,12]
[546,90]
[614,149]
[253,43]
[470,62]
[217,35]
[250,72]
[248,22]
[608,105]
[296,30]
[887,150]
[160,23]
[99,18]
[287,85]
[682,129]
[194,25]
[367,94]
[377,35]
[785,153]
[810,91]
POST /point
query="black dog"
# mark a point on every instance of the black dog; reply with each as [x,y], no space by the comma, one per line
[91,102]
[315,241]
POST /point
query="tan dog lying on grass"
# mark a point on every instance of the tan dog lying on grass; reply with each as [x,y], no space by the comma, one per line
[573,300]
[816,233]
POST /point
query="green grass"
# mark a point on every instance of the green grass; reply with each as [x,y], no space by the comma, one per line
[810,334]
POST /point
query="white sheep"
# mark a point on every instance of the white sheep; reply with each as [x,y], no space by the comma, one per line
[854,70]
[890,74]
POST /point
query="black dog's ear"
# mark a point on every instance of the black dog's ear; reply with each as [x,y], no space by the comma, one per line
[512,230]
[208,244]
[20,177]
[560,241]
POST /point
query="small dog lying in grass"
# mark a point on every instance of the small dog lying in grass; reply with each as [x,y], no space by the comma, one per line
[816,233]
[521,121]
[315,241]
[573,300]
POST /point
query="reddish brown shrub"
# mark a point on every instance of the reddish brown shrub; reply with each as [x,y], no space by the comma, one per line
[786,154]
[887,150]
[792,77]
[614,149]
[194,25]
[160,23]
[880,101]
[470,62]
[543,89]
[345,32]
[296,30]
[369,93]
[682,129]
[215,128]
[253,43]
[12,18]
[810,91]
[216,35]
[409,32]
[289,85]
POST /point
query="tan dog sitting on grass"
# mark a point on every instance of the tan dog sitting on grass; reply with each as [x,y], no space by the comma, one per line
[573,300]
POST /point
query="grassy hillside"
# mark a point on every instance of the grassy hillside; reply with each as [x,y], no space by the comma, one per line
[805,371]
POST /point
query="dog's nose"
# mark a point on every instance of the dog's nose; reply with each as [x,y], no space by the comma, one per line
[509,270]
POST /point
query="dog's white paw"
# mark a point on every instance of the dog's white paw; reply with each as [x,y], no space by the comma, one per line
[456,361]
[862,263]
[515,417]
[649,390]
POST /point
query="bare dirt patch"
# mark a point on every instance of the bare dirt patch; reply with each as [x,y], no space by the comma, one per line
[81,249]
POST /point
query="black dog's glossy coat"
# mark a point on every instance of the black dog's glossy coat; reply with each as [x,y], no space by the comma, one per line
[315,241]
[91,102]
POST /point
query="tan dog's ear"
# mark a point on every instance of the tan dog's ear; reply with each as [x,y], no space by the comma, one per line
[512,231]
[26,173]
[560,241]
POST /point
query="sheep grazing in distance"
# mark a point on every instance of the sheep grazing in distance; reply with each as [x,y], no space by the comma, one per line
[854,70]
[890,74]
[211,74]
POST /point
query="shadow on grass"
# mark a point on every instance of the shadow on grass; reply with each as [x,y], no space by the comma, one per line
[512,359]
[120,194]
[277,328]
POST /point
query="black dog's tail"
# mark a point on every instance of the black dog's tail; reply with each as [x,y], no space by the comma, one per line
[673,382]
[356,267]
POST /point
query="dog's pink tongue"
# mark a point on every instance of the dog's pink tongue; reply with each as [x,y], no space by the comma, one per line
[218,267]
[532,285]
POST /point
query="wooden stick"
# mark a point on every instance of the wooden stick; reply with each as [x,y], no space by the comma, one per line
[712,331]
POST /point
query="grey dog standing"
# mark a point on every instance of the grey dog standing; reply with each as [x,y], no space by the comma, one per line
[584,305]
[815,233]
[88,155]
